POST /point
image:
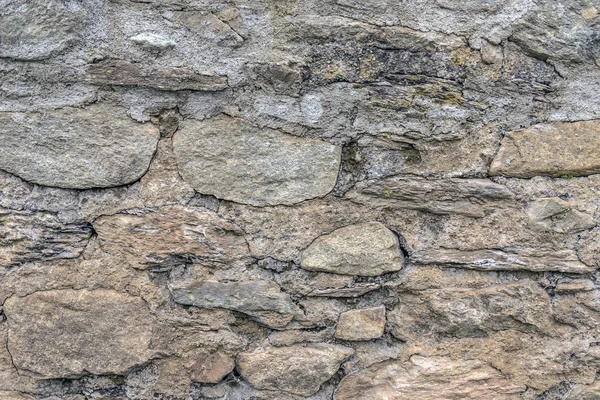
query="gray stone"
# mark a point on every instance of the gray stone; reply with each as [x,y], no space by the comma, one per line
[76,148]
[152,41]
[555,214]
[296,369]
[362,324]
[263,300]
[550,149]
[367,249]
[70,333]
[233,160]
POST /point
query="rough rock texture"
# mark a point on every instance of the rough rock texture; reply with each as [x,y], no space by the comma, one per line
[288,200]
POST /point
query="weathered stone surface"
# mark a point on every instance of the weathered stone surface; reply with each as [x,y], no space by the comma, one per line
[363,324]
[296,369]
[504,260]
[470,313]
[173,235]
[212,367]
[367,249]
[470,197]
[424,378]
[69,333]
[550,149]
[14,396]
[555,214]
[39,236]
[76,148]
[263,300]
[233,160]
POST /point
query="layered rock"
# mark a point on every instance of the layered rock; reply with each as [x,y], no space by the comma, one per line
[234,160]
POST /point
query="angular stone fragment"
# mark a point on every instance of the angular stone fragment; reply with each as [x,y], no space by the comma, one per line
[550,150]
[173,235]
[555,214]
[356,290]
[69,333]
[470,197]
[260,299]
[296,369]
[99,146]
[363,324]
[14,396]
[367,249]
[34,30]
[152,41]
[38,236]
[429,378]
[504,260]
[233,160]
[125,73]
[211,368]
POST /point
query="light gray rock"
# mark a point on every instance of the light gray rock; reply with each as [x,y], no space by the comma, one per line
[76,148]
[296,369]
[152,41]
[361,324]
[233,160]
[263,300]
[555,214]
[367,249]
[70,333]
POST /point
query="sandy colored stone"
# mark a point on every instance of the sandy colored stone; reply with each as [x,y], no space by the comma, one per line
[234,160]
[99,146]
[211,367]
[296,369]
[429,378]
[173,235]
[367,249]
[14,396]
[70,333]
[363,324]
[555,214]
[550,149]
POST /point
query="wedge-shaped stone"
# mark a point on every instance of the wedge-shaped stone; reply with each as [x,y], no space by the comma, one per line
[504,260]
[367,249]
[522,306]
[550,150]
[99,146]
[363,324]
[262,300]
[470,197]
[173,235]
[233,160]
[429,378]
[70,333]
[555,214]
[296,369]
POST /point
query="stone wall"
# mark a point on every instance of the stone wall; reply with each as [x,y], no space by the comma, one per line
[283,199]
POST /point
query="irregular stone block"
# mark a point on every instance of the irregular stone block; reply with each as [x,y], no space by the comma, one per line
[296,369]
[70,333]
[233,160]
[39,236]
[363,324]
[429,378]
[367,249]
[469,197]
[550,150]
[555,214]
[504,260]
[211,367]
[99,146]
[173,235]
[260,299]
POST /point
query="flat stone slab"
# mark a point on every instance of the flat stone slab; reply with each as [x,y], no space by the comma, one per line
[70,333]
[363,324]
[99,146]
[367,249]
[234,160]
[550,150]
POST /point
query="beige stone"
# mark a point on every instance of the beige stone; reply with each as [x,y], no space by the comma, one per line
[211,367]
[363,324]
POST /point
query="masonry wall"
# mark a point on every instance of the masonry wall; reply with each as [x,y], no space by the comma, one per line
[338,199]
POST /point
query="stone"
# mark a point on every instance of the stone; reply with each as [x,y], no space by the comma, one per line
[576,285]
[173,235]
[429,378]
[70,333]
[504,260]
[363,324]
[558,149]
[98,146]
[233,160]
[355,290]
[14,396]
[152,41]
[27,236]
[34,31]
[469,197]
[211,367]
[260,299]
[296,369]
[367,249]
[555,214]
